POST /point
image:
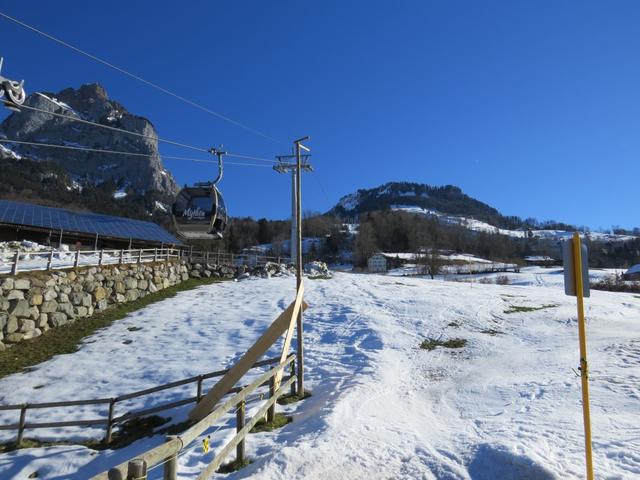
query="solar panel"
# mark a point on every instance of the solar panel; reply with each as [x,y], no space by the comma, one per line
[27,214]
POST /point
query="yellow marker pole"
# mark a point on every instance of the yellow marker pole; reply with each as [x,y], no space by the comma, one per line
[584,370]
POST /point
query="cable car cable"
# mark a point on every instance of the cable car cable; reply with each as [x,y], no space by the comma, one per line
[140,79]
[133,154]
[141,135]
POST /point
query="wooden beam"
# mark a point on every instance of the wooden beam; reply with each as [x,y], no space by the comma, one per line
[287,339]
[235,373]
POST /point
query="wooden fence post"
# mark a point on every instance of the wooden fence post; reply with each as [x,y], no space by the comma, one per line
[23,421]
[121,257]
[140,256]
[107,438]
[293,372]
[240,426]
[77,260]
[14,268]
[271,412]
[171,464]
[50,260]
[199,391]
[137,470]
[115,474]
[101,257]
[155,254]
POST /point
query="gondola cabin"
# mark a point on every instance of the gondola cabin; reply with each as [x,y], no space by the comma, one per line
[199,212]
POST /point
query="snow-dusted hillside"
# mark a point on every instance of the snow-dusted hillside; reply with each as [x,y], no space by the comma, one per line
[479,226]
[505,406]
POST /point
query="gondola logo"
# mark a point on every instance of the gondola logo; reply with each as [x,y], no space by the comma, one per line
[194,214]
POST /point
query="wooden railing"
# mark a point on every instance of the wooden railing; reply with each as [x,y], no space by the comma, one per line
[167,454]
[111,419]
[59,260]
[215,404]
[231,259]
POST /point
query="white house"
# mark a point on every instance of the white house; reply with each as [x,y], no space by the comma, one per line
[377,263]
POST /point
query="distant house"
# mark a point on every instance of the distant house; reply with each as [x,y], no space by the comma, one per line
[633,273]
[377,263]
[540,260]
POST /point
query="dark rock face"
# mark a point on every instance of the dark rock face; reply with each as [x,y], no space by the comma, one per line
[91,102]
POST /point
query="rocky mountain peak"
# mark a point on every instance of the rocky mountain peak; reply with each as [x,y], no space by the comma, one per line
[91,102]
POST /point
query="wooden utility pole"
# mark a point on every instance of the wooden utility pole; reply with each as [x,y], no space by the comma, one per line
[300,346]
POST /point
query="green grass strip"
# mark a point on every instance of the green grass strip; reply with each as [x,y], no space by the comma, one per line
[67,338]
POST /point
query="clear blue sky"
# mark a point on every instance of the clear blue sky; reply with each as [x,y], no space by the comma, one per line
[532,107]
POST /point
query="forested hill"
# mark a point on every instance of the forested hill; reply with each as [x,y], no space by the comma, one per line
[448,199]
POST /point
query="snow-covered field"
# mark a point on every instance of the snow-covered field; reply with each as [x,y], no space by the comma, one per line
[505,406]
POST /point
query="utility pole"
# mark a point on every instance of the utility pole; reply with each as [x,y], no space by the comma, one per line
[300,350]
[285,165]
[296,169]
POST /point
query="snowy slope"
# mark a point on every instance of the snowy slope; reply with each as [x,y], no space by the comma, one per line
[480,226]
[505,406]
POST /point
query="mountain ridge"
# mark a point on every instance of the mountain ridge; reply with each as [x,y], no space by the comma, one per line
[90,102]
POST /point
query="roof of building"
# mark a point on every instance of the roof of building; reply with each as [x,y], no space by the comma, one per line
[27,214]
[633,269]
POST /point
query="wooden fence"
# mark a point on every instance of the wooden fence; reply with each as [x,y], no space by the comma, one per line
[59,260]
[215,404]
[111,419]
[166,455]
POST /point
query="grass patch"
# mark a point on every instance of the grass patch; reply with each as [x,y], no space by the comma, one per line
[289,399]
[134,329]
[127,433]
[65,339]
[433,343]
[279,421]
[234,466]
[492,332]
[523,308]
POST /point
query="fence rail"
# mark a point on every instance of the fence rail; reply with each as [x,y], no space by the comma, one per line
[167,453]
[60,260]
[111,420]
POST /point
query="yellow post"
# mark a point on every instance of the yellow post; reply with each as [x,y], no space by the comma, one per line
[584,369]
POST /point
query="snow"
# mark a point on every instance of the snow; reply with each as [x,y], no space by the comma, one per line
[6,152]
[539,258]
[119,194]
[505,406]
[161,206]
[349,202]
[59,103]
[479,226]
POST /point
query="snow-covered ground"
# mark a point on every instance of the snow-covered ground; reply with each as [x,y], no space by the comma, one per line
[505,406]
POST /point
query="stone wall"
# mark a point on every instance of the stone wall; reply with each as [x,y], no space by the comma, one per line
[33,302]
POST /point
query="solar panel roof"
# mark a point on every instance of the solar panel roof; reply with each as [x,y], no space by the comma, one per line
[27,214]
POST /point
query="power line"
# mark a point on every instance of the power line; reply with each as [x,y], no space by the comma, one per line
[133,154]
[141,135]
[140,79]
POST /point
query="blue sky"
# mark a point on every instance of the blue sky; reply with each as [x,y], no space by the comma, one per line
[532,107]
